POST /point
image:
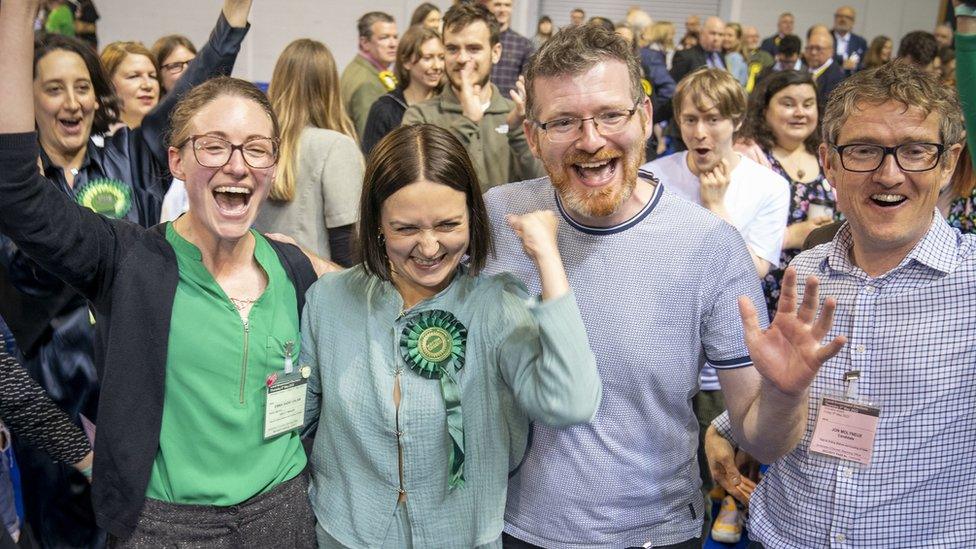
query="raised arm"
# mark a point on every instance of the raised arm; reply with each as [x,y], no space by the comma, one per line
[66,239]
[16,65]
[545,355]
[216,58]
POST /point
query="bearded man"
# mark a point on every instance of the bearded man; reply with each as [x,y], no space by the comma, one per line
[658,281]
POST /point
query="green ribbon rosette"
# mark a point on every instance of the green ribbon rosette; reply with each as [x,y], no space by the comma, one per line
[109,197]
[432,344]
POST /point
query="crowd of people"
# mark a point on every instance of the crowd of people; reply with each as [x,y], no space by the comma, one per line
[481,289]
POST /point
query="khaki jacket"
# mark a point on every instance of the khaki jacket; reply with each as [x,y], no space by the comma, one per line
[360,87]
[500,154]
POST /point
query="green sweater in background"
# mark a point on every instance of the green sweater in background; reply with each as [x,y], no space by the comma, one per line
[966,82]
[500,154]
[360,87]
[522,361]
[61,20]
[211,443]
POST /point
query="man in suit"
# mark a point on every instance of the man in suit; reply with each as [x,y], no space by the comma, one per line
[849,48]
[784,26]
[708,52]
[819,60]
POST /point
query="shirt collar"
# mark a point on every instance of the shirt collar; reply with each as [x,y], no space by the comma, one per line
[86,160]
[451,103]
[936,250]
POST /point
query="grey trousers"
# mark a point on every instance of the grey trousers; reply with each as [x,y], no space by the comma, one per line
[279,518]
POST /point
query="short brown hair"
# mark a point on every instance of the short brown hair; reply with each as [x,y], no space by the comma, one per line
[202,95]
[900,81]
[409,154]
[408,51]
[462,15]
[165,46]
[574,50]
[715,85]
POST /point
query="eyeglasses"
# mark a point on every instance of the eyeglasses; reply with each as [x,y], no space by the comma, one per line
[910,157]
[562,130]
[176,67]
[214,152]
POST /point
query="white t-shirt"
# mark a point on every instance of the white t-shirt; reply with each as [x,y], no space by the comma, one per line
[757,199]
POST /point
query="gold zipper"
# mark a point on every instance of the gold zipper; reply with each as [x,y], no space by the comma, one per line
[247,336]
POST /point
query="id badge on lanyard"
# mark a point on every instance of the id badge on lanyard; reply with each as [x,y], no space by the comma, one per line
[285,397]
[846,425]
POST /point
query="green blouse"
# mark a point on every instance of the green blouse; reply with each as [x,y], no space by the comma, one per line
[211,443]
[522,360]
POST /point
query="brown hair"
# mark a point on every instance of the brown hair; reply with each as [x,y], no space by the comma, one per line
[165,46]
[572,51]
[421,13]
[408,51]
[204,94]
[963,177]
[872,58]
[409,154]
[109,105]
[462,15]
[304,92]
[757,128]
[116,52]
[900,81]
[715,85]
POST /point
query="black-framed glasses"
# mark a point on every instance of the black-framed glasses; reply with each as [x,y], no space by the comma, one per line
[561,130]
[910,157]
[175,67]
[214,152]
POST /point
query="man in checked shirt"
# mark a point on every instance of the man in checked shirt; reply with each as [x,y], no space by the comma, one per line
[516,49]
[904,283]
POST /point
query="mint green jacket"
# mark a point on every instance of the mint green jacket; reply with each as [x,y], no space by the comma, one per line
[524,360]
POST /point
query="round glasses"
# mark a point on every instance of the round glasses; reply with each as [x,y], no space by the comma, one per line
[563,130]
[910,157]
[214,152]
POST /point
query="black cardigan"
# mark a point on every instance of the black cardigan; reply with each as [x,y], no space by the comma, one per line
[129,274]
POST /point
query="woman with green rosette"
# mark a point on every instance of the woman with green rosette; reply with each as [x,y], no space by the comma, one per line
[425,382]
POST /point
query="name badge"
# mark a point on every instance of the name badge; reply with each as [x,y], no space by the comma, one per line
[285,404]
[845,429]
[503,129]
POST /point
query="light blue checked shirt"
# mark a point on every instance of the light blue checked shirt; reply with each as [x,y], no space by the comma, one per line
[910,334]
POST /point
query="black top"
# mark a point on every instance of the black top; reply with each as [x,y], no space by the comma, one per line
[384,116]
[129,274]
[87,13]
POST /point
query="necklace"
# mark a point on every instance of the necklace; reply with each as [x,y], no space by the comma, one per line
[241,304]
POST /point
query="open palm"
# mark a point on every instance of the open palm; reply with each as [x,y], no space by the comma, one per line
[789,354]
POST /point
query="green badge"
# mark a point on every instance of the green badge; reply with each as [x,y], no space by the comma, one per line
[108,197]
[432,344]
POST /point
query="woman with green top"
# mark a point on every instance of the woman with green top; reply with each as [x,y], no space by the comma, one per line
[425,385]
[197,321]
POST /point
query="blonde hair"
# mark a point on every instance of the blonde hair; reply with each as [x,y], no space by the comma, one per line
[717,86]
[116,52]
[304,92]
[661,33]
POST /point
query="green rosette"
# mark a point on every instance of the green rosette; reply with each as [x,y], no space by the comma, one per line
[109,197]
[432,344]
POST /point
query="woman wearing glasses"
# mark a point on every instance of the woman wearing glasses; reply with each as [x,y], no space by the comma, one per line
[123,177]
[173,54]
[198,321]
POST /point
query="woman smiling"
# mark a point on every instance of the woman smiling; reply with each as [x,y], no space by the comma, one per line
[424,387]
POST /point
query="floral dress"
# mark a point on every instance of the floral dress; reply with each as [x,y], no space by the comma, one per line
[801,194]
[962,213]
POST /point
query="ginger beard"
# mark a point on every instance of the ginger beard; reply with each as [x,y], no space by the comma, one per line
[599,201]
